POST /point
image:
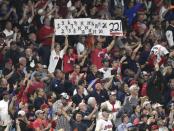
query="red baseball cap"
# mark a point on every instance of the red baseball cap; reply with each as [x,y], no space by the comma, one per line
[44,106]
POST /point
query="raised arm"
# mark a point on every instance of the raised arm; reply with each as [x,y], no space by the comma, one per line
[89,117]
[82,55]
[23,16]
[89,88]
[51,11]
[169,36]
[7,15]
[81,10]
[53,42]
[46,4]
[108,85]
[83,60]
[111,45]
[32,14]
[135,51]
[66,44]
[148,32]
[11,105]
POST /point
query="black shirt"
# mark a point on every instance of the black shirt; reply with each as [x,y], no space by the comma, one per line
[100,97]
[77,99]
[79,126]
[38,102]
[23,125]
[16,77]
[143,127]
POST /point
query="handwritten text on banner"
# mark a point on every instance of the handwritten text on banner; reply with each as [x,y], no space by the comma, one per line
[85,26]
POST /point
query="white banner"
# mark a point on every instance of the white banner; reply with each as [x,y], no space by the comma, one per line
[85,26]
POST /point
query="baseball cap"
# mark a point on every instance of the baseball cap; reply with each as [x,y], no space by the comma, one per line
[145,103]
[21,112]
[44,106]
[38,112]
[113,93]
[65,95]
[157,105]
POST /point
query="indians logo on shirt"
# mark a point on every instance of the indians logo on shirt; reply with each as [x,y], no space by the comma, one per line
[107,127]
[56,57]
[101,54]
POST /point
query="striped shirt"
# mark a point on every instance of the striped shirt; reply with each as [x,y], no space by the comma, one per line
[62,123]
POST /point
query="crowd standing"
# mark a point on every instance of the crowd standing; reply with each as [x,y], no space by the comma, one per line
[86,83]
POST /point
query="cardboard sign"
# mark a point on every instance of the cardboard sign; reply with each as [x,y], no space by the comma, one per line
[85,26]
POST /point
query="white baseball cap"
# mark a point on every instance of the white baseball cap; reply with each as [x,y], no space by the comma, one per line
[21,112]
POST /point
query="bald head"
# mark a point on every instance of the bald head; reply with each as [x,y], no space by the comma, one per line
[23,61]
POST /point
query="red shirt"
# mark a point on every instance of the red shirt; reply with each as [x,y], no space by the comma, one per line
[68,62]
[153,58]
[34,86]
[144,89]
[22,96]
[97,57]
[41,124]
[43,32]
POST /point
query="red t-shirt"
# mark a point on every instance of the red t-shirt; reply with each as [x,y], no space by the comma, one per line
[43,32]
[144,89]
[34,86]
[97,57]
[41,124]
[152,59]
[68,62]
[22,96]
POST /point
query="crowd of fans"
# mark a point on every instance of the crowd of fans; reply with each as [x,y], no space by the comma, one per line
[86,83]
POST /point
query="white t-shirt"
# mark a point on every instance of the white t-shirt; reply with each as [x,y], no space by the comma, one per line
[109,106]
[117,107]
[106,73]
[54,58]
[85,92]
[103,125]
[4,116]
[80,48]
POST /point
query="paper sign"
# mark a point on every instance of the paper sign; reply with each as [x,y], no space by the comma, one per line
[85,26]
